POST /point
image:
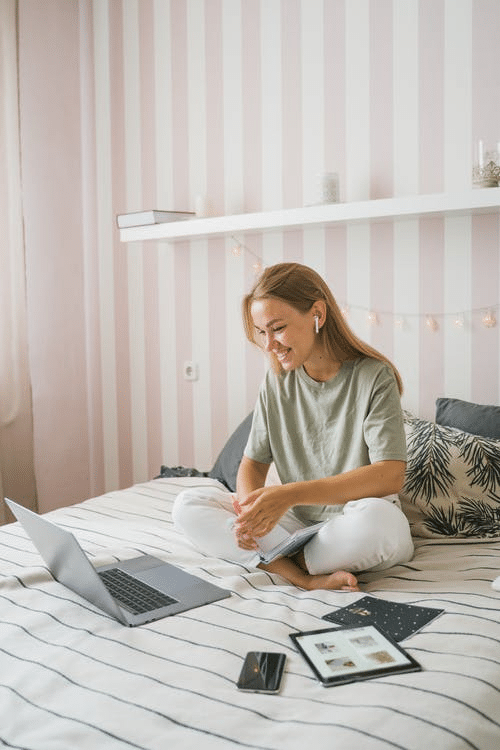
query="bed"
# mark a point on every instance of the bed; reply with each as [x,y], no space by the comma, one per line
[72,677]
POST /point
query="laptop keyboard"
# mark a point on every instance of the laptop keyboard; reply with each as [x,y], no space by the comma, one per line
[134,595]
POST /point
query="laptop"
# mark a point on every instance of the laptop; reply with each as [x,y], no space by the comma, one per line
[164,589]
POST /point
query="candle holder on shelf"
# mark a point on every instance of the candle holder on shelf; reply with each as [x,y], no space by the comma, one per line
[486,167]
[487,175]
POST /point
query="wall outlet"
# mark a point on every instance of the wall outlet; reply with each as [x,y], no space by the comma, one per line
[190,371]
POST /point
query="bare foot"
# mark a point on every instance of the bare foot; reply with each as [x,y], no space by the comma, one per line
[287,568]
[340,581]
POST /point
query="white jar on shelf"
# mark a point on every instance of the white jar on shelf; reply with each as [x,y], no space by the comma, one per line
[328,187]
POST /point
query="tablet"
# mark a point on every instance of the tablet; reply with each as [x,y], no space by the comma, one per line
[341,655]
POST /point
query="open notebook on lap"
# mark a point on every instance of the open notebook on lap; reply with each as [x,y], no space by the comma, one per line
[165,589]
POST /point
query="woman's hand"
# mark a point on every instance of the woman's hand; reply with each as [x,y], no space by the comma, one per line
[259,512]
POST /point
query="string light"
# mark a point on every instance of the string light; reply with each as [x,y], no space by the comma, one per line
[489,320]
[487,315]
[433,321]
[237,250]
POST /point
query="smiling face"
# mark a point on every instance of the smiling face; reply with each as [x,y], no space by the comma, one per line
[289,334]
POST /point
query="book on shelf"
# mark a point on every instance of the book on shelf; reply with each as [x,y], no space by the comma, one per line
[143,218]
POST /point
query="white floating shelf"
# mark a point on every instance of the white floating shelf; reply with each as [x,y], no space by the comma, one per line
[482,200]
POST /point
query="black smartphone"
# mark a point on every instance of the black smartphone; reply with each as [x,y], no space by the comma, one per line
[262,672]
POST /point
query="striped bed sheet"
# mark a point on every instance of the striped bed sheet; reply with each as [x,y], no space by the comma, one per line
[71,677]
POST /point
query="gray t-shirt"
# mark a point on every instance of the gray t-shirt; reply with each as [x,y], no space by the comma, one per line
[313,430]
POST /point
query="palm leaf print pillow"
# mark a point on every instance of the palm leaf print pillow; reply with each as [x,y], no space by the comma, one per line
[452,483]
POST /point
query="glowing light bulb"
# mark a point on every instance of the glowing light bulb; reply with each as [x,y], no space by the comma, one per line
[431,323]
[488,320]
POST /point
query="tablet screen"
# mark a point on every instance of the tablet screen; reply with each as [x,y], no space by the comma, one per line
[341,655]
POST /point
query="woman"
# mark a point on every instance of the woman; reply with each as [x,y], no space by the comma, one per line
[329,417]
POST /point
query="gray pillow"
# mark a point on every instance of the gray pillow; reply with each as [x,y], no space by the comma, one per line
[226,466]
[473,418]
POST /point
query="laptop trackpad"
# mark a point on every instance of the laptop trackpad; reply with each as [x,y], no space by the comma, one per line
[165,578]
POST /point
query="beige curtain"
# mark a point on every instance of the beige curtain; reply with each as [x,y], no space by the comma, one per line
[16,433]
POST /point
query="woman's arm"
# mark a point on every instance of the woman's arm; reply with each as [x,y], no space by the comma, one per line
[263,507]
[251,476]
[375,480]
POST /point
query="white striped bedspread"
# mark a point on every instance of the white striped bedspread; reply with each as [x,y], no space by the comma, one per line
[72,677]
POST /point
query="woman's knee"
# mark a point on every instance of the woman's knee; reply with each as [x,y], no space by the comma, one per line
[369,534]
[196,504]
[386,528]
[186,505]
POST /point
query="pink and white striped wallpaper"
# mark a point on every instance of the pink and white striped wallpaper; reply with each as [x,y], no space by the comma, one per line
[245,102]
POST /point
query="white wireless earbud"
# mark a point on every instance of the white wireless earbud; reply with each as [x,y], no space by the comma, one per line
[316,323]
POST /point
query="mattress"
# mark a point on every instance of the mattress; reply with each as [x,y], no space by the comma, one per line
[70,676]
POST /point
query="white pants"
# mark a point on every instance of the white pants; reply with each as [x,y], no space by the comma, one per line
[368,534]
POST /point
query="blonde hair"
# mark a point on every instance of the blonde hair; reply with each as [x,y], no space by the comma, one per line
[300,287]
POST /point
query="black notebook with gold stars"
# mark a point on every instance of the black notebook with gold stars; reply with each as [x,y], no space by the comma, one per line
[394,618]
